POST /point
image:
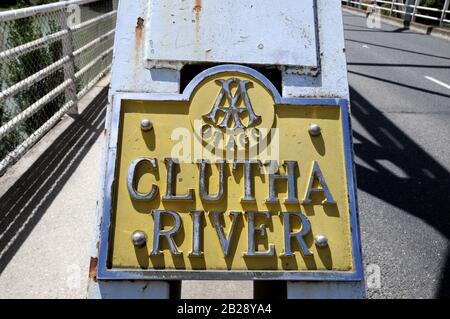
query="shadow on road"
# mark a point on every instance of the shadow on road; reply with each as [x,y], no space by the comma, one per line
[396,65]
[398,49]
[399,30]
[416,88]
[23,205]
[424,193]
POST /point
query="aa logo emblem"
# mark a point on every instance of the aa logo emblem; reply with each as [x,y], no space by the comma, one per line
[232,112]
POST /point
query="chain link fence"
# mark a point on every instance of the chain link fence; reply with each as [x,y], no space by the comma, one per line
[50,56]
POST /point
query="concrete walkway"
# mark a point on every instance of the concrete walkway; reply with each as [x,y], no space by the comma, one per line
[47,207]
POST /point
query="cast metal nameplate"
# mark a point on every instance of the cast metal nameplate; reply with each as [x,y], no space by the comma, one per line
[229,180]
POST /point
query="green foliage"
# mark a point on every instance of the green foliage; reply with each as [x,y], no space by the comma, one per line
[29,3]
[432,3]
[439,4]
[385,12]
[19,32]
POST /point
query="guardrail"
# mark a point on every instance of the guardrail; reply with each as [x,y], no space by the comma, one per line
[50,57]
[409,9]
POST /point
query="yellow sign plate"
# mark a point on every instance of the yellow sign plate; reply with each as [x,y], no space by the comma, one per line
[172,214]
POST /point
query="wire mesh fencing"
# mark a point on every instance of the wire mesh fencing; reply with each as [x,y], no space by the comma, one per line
[50,56]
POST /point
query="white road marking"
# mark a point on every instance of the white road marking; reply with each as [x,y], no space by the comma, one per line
[437,81]
[365,46]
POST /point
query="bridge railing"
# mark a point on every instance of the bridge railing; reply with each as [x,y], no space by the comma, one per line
[410,10]
[50,57]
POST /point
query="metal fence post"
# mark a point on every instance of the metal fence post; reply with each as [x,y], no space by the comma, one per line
[392,8]
[416,3]
[69,67]
[445,8]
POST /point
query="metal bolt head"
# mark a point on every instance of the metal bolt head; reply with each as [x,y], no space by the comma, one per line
[314,130]
[321,241]
[146,125]
[138,238]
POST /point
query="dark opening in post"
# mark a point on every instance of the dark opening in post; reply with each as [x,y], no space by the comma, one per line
[189,71]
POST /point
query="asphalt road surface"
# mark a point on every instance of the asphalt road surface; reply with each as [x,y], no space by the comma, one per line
[400,93]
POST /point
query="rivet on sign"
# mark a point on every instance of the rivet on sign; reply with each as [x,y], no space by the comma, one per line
[314,130]
[146,125]
[321,241]
[138,238]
